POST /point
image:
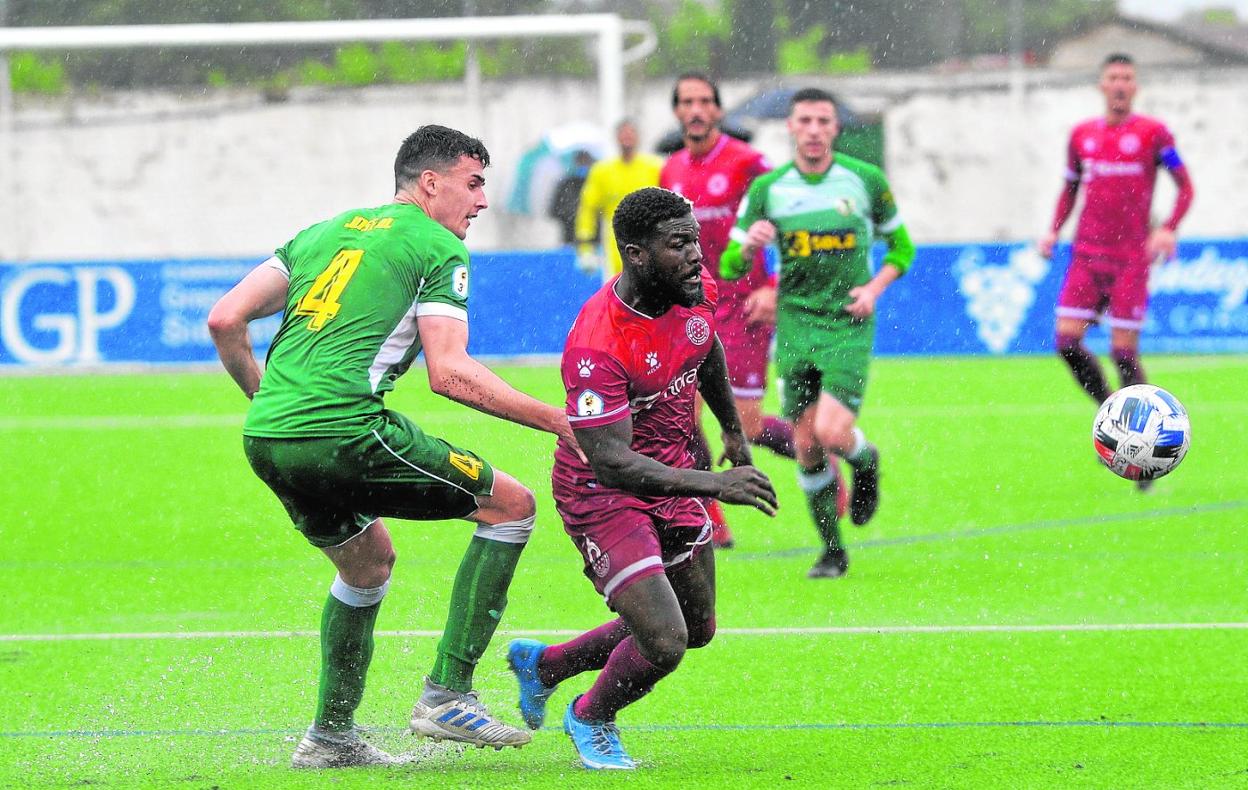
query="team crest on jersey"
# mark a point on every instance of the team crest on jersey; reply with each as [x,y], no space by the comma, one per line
[844,206]
[459,281]
[717,184]
[584,368]
[1129,143]
[589,404]
[697,330]
[601,563]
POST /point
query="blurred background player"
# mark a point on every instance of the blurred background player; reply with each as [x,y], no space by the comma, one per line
[363,294]
[1116,157]
[714,170]
[606,185]
[638,350]
[827,209]
[566,198]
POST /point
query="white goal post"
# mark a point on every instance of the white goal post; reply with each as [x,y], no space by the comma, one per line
[608,30]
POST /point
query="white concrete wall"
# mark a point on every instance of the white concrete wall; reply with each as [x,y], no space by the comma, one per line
[231,174]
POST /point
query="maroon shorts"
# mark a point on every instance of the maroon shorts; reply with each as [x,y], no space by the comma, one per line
[747,348]
[1093,287]
[624,538]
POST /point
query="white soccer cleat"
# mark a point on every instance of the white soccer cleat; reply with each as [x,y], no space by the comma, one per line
[465,720]
[339,750]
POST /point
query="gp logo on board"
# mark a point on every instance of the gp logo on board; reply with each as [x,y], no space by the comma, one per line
[56,314]
[998,298]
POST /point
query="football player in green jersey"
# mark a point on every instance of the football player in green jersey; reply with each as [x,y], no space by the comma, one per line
[363,293]
[824,209]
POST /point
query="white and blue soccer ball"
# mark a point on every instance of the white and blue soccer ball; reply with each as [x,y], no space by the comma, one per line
[1141,432]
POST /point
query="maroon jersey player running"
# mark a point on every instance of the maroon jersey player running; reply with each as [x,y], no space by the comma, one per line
[636,354]
[714,170]
[1116,159]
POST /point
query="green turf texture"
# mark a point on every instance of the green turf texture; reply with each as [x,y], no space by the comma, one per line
[129,508]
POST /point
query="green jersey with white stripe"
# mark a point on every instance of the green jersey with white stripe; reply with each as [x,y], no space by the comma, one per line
[358,282]
[826,224]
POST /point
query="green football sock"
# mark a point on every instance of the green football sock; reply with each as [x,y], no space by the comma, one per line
[819,485]
[477,603]
[346,649]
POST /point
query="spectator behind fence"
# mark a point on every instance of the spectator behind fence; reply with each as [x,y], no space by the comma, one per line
[607,184]
[567,196]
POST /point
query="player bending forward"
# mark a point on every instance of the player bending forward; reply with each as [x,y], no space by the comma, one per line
[635,355]
[363,293]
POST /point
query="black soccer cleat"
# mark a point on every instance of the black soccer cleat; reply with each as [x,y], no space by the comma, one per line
[865,497]
[832,565]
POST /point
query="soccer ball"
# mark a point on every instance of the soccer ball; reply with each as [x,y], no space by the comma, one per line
[1141,432]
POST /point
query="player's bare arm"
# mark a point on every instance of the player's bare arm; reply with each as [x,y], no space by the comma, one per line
[1163,241]
[261,293]
[456,375]
[1065,205]
[760,305]
[608,451]
[716,391]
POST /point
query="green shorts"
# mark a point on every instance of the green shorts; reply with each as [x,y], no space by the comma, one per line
[333,487]
[826,359]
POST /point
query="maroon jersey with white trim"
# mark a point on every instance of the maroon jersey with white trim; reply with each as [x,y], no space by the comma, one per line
[618,362]
[1117,166]
[715,184]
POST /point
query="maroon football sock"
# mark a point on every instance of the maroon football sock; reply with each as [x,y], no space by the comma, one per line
[1084,366]
[777,436]
[1130,370]
[626,678]
[588,651]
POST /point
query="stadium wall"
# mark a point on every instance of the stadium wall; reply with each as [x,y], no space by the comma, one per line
[972,157]
[957,299]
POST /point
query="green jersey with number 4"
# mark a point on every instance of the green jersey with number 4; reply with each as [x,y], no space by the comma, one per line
[358,282]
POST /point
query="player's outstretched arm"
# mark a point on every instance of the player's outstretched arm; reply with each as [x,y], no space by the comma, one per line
[261,293]
[615,464]
[716,391]
[456,375]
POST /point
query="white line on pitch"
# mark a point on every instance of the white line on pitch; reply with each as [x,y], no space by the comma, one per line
[796,631]
[167,421]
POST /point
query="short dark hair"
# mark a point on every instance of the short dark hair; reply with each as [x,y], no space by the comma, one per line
[1117,57]
[700,77]
[811,94]
[435,148]
[640,213]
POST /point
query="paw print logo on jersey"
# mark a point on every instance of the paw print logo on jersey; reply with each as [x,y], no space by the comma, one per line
[652,360]
[697,330]
[998,298]
[584,368]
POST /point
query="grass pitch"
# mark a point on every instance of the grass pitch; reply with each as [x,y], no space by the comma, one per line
[1015,616]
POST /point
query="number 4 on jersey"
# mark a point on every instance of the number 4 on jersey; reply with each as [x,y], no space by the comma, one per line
[321,300]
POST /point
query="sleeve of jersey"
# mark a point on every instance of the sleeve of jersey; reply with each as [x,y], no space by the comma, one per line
[443,289]
[883,207]
[597,387]
[732,264]
[1074,167]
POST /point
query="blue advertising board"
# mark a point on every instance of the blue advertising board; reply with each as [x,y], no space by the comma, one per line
[957,299]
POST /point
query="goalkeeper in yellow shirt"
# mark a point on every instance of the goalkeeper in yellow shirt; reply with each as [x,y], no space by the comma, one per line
[609,180]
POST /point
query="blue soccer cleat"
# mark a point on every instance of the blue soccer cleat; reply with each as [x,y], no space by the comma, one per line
[597,742]
[522,657]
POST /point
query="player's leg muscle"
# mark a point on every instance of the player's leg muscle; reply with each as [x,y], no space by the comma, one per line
[508,502]
[834,425]
[365,561]
[653,614]
[694,585]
